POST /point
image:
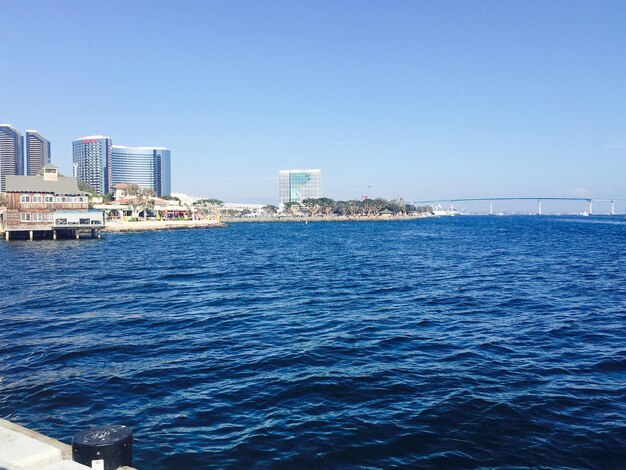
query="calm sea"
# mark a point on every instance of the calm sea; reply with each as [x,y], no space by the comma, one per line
[439,343]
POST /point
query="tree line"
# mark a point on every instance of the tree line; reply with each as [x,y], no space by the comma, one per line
[366,207]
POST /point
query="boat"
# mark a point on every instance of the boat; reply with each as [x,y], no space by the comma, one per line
[441,212]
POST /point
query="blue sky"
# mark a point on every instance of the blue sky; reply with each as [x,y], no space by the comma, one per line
[389,98]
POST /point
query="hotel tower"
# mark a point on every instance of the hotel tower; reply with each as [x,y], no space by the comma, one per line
[11,153]
[147,167]
[37,152]
[92,162]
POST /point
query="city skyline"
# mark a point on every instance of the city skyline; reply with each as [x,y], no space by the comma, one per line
[418,101]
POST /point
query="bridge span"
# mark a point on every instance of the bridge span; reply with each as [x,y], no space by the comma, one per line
[539,200]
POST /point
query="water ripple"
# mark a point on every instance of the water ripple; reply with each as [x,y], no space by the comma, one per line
[447,343]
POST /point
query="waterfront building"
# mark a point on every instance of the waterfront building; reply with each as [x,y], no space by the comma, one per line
[48,204]
[37,152]
[11,153]
[298,185]
[92,162]
[123,206]
[119,190]
[147,167]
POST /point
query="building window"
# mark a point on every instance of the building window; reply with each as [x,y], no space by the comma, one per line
[38,217]
[84,199]
[37,198]
[24,198]
[59,199]
[50,216]
[73,199]
[25,217]
[48,198]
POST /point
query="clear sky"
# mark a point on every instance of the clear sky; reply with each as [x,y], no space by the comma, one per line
[388,98]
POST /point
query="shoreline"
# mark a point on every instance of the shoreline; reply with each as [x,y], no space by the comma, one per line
[341,218]
[116,226]
[153,225]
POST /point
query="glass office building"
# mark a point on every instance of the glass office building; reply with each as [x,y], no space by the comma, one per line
[92,162]
[147,167]
[164,171]
[11,153]
[298,185]
[37,152]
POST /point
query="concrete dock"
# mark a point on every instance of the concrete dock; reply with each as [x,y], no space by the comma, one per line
[24,449]
[152,225]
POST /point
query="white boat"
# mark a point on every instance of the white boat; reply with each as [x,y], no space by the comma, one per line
[438,211]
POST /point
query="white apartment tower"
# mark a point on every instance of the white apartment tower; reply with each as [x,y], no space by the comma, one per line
[298,185]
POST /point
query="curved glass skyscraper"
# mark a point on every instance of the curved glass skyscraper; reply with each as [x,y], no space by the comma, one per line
[147,167]
[92,162]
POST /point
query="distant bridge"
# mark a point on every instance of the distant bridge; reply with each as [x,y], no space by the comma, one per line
[539,200]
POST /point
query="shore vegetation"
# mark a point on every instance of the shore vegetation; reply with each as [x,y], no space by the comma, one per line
[326,207]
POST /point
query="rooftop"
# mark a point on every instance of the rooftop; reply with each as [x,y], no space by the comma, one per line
[300,171]
[91,137]
[37,184]
[138,148]
[10,127]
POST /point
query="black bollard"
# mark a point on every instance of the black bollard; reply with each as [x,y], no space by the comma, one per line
[105,448]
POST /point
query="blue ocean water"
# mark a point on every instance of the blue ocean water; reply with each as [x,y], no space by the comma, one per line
[441,343]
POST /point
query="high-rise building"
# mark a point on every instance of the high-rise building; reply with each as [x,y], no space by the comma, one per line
[37,152]
[298,185]
[92,162]
[11,153]
[147,167]
[164,171]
